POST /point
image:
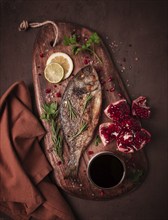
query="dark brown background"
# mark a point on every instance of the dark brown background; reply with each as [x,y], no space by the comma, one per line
[140,30]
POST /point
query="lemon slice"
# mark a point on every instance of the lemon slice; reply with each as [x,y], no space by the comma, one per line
[54,72]
[64,60]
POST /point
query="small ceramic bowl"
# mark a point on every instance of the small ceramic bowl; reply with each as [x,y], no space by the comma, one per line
[106,170]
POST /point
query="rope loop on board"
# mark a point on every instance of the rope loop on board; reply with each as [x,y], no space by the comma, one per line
[24,25]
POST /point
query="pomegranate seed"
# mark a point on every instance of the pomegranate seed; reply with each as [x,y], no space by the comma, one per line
[38,66]
[90,152]
[58,94]
[110,79]
[119,94]
[39,74]
[55,86]
[41,55]
[48,90]
[86,61]
[112,89]
[59,163]
[102,193]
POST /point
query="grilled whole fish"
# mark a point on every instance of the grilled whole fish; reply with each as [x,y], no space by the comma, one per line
[80,110]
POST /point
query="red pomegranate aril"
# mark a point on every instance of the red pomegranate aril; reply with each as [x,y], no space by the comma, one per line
[39,74]
[110,79]
[86,61]
[48,90]
[112,89]
[41,55]
[58,94]
[59,163]
[90,152]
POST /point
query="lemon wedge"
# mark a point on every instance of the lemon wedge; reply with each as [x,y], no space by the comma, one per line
[54,72]
[64,60]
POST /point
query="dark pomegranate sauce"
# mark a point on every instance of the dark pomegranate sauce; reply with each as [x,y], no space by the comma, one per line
[106,170]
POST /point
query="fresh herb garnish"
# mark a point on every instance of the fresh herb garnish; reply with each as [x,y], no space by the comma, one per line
[136,175]
[87,100]
[97,140]
[71,110]
[87,46]
[50,113]
[82,129]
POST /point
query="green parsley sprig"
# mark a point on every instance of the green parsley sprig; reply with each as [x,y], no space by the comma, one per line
[87,46]
[50,114]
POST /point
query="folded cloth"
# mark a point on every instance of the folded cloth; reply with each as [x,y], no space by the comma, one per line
[25,190]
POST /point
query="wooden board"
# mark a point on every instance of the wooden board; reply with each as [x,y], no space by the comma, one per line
[46,92]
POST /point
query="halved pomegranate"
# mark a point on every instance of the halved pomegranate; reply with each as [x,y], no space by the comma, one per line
[131,123]
[108,132]
[117,111]
[141,138]
[139,108]
[128,141]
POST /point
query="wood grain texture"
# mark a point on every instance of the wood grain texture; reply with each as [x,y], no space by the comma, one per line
[82,187]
